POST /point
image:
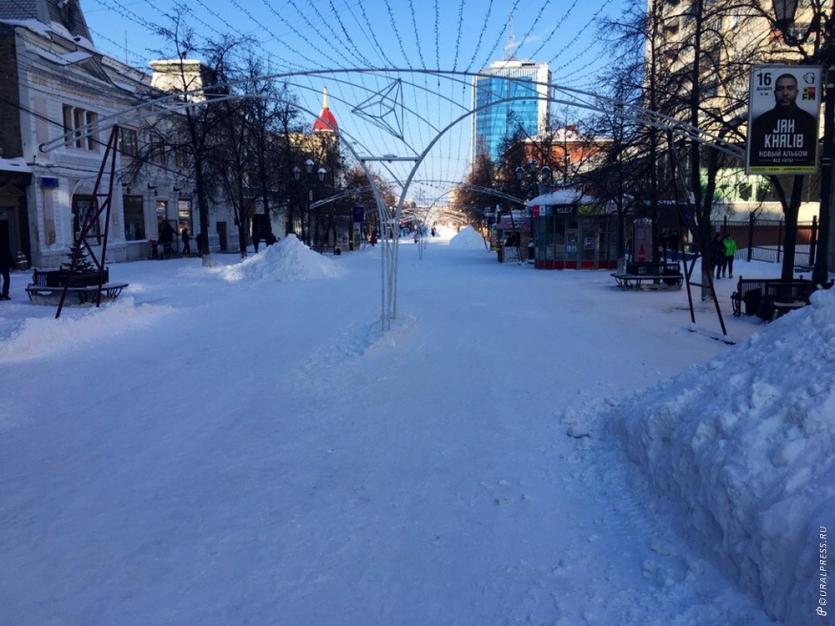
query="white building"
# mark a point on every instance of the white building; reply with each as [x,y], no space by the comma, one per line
[54,82]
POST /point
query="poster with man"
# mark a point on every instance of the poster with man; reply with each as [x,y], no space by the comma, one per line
[783,119]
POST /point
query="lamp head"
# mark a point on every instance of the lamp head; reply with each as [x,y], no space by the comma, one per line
[297,171]
[784,11]
[309,165]
[321,172]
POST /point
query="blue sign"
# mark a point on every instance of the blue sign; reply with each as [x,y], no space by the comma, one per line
[49,182]
[359,213]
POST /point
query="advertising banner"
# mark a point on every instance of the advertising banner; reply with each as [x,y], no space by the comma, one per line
[783,114]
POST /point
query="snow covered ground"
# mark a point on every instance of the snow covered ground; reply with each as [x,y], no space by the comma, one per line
[228,447]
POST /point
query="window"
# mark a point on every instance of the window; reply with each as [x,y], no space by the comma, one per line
[162,210]
[92,138]
[134,218]
[68,126]
[181,158]
[78,123]
[156,152]
[83,209]
[184,215]
[128,142]
[75,120]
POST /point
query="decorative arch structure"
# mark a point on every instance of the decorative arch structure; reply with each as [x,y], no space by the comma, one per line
[402,119]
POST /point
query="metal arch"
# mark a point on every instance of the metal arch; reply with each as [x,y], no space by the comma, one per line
[499,194]
[659,120]
[338,196]
[390,252]
[381,210]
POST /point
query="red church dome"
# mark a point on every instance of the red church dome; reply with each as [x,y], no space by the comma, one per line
[326,122]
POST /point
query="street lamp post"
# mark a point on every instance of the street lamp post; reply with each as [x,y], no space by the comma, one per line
[308,184]
[531,180]
[784,13]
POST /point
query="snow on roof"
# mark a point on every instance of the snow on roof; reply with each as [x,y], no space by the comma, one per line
[562,196]
[46,30]
[68,58]
[15,164]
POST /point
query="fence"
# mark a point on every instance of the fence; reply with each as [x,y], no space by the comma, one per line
[762,240]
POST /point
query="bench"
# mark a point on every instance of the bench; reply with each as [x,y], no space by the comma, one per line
[769,298]
[47,286]
[650,275]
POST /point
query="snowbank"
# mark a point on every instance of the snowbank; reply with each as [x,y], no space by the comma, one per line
[743,446]
[36,337]
[289,259]
[467,239]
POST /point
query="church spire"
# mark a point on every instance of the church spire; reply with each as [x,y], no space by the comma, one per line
[326,122]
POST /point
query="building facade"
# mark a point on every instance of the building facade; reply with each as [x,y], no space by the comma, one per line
[527,83]
[54,83]
[733,40]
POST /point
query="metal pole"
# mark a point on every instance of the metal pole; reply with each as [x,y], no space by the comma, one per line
[820,274]
[779,240]
[813,240]
[750,236]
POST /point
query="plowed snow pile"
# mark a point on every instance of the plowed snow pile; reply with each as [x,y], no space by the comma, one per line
[37,337]
[289,259]
[467,239]
[743,445]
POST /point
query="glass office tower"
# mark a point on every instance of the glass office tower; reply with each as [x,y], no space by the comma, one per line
[509,79]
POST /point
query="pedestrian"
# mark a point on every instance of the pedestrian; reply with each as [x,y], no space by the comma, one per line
[434,232]
[675,243]
[730,250]
[186,239]
[717,247]
[6,264]
[166,236]
[373,240]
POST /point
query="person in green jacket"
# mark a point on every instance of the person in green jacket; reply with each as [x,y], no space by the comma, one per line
[730,251]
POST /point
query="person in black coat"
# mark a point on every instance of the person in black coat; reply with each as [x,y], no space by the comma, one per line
[717,247]
[186,239]
[6,264]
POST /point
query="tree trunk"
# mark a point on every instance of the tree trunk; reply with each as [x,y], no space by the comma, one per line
[203,210]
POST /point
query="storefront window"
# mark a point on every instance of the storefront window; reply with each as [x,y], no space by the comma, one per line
[134,218]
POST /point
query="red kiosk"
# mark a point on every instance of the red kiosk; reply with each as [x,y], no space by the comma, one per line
[573,230]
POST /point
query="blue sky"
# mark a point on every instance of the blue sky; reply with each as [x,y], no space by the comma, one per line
[301,31]
[450,34]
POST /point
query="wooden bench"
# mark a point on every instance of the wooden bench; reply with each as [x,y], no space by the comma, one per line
[769,298]
[650,275]
[48,285]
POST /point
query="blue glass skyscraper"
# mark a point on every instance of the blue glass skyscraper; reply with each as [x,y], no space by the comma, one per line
[500,81]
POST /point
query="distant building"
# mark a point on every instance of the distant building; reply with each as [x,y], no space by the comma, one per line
[504,80]
[569,152]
